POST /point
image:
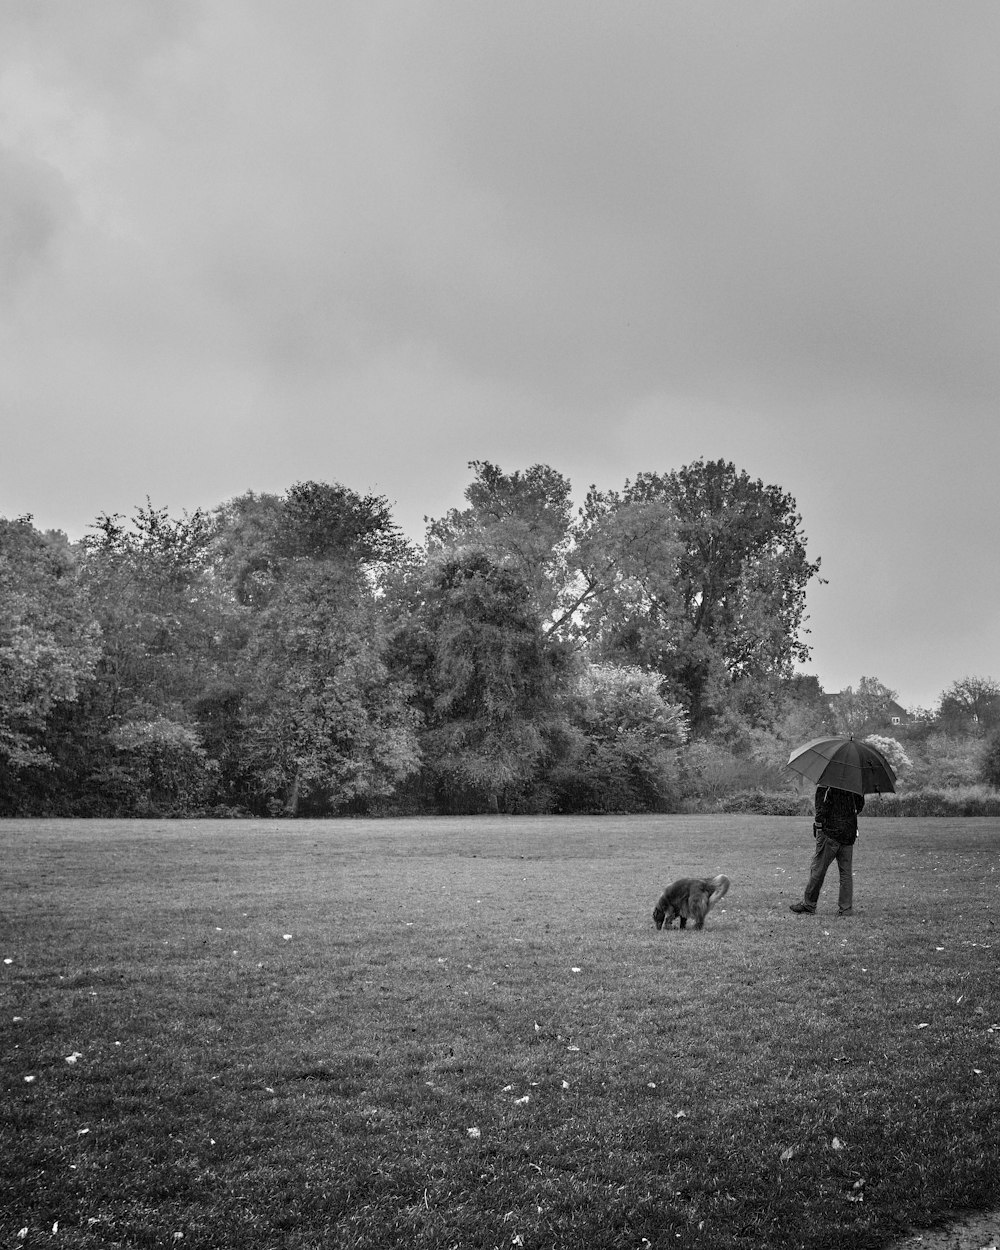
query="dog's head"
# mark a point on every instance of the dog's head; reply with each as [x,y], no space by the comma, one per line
[661,914]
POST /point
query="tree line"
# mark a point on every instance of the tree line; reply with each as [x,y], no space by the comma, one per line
[297,654]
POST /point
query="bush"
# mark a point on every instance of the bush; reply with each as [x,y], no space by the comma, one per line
[989,764]
[160,769]
[945,761]
[710,773]
[963,801]
[767,803]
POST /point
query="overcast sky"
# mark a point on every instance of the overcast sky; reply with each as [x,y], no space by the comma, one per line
[245,243]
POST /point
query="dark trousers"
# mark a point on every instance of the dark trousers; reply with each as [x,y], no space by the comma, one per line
[827,850]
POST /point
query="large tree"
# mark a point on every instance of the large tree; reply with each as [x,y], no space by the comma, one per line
[167,624]
[49,641]
[863,709]
[522,520]
[314,718]
[489,679]
[971,705]
[714,597]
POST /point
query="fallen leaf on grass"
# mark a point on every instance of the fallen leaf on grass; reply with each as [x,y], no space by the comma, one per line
[924,1025]
[573,1048]
[787,1154]
[519,1102]
[77,1054]
[287,937]
[576,969]
[474,1132]
[680,1115]
[837,1144]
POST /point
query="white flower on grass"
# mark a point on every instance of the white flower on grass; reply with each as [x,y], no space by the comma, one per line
[924,1025]
[474,1133]
[519,1102]
[680,1115]
[8,961]
[22,1233]
[29,1079]
[837,1144]
[565,1084]
[287,937]
[18,1019]
[576,969]
[82,1132]
[787,1153]
[651,1085]
[77,1054]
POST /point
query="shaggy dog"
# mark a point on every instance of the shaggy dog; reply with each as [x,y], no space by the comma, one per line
[691,898]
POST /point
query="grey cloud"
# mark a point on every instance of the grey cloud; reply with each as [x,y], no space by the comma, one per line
[34,201]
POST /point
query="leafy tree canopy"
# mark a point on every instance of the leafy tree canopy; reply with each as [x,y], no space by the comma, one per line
[49,642]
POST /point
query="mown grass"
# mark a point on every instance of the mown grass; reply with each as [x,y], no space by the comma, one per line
[473,1036]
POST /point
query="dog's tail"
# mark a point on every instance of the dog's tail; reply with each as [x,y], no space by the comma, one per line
[720,888]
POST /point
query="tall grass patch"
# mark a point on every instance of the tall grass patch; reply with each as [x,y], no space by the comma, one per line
[439,1033]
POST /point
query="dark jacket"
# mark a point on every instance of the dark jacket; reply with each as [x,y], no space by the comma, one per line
[837,814]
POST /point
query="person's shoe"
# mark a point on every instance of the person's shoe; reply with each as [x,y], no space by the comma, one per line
[802,909]
[845,914]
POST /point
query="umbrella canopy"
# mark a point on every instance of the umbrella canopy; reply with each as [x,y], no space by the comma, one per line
[845,765]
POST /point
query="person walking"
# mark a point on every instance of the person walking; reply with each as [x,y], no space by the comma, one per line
[835,828]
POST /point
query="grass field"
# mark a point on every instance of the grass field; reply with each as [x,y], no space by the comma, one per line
[468,1033]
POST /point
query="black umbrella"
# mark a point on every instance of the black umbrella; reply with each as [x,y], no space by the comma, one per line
[845,765]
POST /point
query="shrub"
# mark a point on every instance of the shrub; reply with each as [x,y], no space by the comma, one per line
[710,773]
[945,761]
[161,769]
[989,765]
[767,803]
[961,801]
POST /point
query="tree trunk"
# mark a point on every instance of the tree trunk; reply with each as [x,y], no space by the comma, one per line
[292,809]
